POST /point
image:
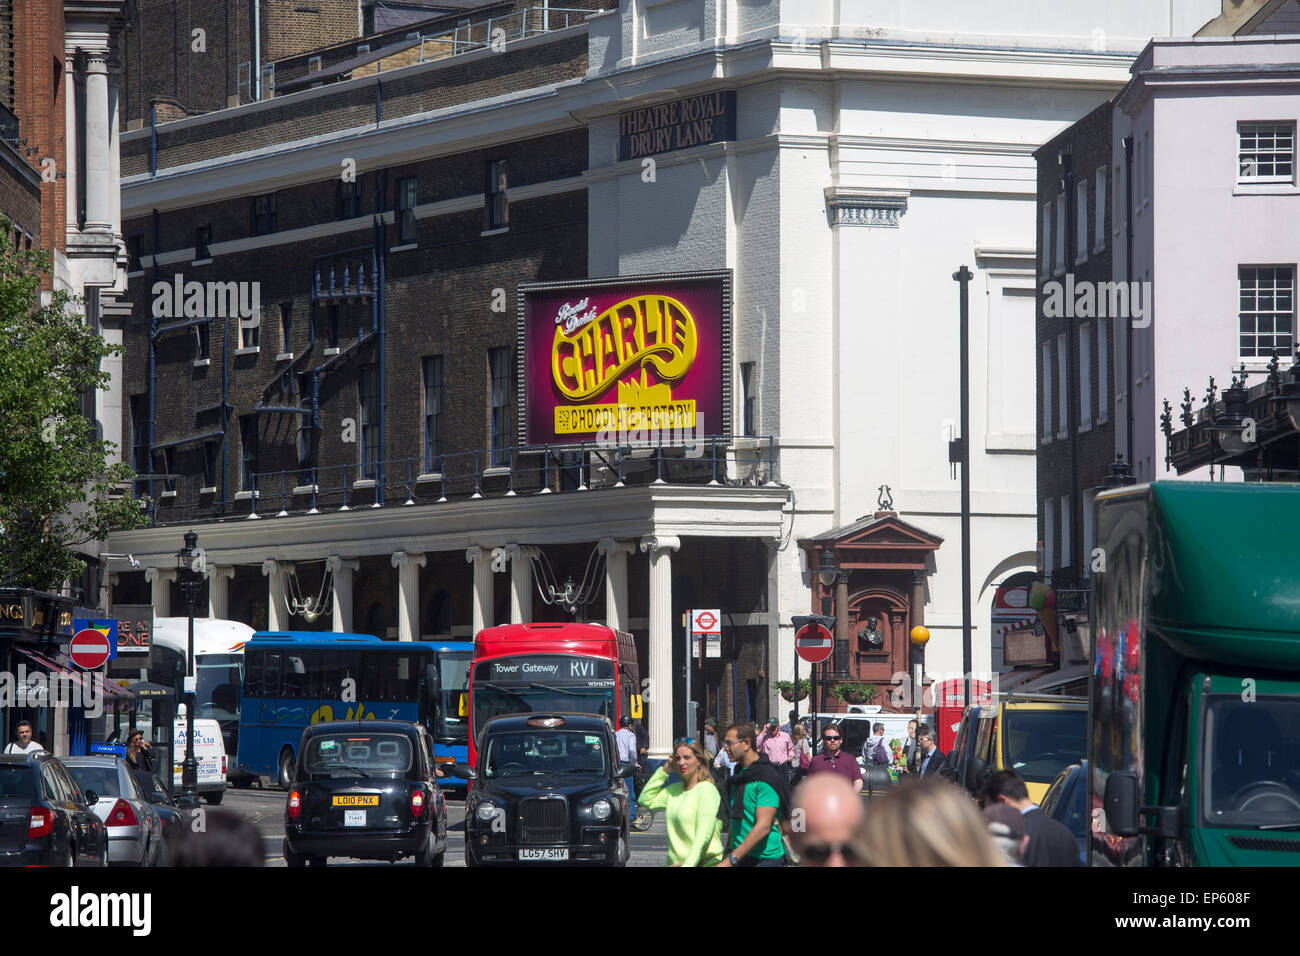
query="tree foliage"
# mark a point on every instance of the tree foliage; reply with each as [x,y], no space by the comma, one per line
[55,475]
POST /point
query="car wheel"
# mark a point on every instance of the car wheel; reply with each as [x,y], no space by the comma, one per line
[145,856]
[291,859]
[286,768]
[70,856]
[103,855]
[621,852]
[215,797]
[430,855]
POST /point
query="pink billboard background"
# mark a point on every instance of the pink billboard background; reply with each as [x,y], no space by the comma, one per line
[705,297]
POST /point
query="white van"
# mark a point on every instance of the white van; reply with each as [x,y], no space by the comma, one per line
[209,751]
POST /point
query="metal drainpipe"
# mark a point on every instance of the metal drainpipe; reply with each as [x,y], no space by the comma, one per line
[225,407]
[1128,276]
[153,354]
[380,326]
[1074,362]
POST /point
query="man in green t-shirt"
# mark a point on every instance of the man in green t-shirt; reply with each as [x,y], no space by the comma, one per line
[757,803]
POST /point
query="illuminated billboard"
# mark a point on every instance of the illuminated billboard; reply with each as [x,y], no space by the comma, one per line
[627,360]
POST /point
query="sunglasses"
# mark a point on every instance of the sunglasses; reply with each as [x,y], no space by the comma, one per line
[683,740]
[820,853]
[830,738]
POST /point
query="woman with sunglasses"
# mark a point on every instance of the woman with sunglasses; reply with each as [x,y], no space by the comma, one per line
[691,803]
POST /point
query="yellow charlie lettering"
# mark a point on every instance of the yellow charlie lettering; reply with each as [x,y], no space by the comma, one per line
[325,713]
[645,331]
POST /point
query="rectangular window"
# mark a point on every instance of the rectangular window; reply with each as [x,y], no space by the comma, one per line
[332,320]
[1081,221]
[1067,518]
[1049,536]
[163,460]
[134,252]
[434,399]
[244,84]
[286,327]
[268,81]
[1149,169]
[501,365]
[1085,377]
[249,330]
[406,194]
[750,400]
[202,241]
[1062,386]
[368,394]
[1089,506]
[349,199]
[1103,374]
[498,179]
[306,451]
[1137,171]
[140,440]
[363,48]
[248,451]
[1099,211]
[201,338]
[1267,310]
[313,64]
[1058,259]
[211,458]
[1266,152]
[1045,253]
[264,214]
[1047,390]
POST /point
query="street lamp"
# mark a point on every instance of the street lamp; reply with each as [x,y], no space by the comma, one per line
[920,636]
[1120,474]
[831,575]
[188,578]
[1230,426]
[1288,393]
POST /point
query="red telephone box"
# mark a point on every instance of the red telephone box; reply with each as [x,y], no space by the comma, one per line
[949,700]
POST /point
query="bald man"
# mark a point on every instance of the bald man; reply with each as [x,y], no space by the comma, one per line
[827,810]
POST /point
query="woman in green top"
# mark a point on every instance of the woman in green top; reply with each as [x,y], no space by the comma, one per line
[694,830]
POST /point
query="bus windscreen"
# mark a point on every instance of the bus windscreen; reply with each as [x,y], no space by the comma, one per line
[543,682]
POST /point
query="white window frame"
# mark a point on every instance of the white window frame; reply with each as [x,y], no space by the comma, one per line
[1058,256]
[1099,211]
[1089,512]
[1085,377]
[1049,537]
[1274,315]
[1062,387]
[1081,221]
[1066,515]
[1276,129]
[1103,373]
[1047,391]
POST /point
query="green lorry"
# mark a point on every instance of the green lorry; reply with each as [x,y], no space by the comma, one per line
[1194,708]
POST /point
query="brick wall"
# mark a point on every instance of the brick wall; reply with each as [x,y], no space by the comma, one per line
[1073,466]
[20,192]
[38,102]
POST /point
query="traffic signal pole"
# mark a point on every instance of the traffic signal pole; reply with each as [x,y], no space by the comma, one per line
[963,277]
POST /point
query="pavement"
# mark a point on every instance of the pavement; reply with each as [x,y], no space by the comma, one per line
[264,808]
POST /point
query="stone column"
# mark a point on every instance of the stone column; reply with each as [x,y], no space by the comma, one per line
[219,579]
[841,613]
[481,558]
[660,666]
[277,598]
[112,145]
[99,186]
[342,569]
[521,583]
[160,579]
[616,553]
[408,564]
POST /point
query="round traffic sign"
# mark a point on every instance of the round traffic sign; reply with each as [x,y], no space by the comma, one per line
[89,649]
[814,643]
[705,621]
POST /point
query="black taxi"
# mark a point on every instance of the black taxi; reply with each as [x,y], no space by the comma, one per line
[548,788]
[365,789]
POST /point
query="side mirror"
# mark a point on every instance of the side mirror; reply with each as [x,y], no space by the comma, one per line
[626,770]
[92,798]
[461,771]
[975,775]
[1122,803]
[461,709]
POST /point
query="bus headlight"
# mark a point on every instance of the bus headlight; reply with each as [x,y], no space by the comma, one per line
[600,809]
[487,812]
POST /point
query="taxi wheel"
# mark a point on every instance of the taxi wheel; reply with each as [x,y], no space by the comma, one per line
[291,859]
[286,768]
[621,853]
[317,861]
[430,856]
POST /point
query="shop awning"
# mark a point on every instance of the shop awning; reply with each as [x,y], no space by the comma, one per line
[60,664]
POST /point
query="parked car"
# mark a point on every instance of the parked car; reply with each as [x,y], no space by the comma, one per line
[547,788]
[45,818]
[1067,802]
[135,830]
[173,818]
[367,790]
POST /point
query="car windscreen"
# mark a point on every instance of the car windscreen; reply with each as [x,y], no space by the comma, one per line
[15,782]
[1039,744]
[514,754]
[346,753]
[103,780]
[1251,757]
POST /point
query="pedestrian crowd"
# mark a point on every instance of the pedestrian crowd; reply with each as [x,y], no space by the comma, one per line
[759,796]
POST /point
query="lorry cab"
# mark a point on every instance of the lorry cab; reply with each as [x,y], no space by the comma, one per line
[1195,689]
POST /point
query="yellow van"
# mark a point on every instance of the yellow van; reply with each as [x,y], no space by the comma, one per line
[1037,736]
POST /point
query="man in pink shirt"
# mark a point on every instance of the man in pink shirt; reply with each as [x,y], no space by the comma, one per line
[776,744]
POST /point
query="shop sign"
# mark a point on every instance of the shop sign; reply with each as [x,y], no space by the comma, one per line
[678,124]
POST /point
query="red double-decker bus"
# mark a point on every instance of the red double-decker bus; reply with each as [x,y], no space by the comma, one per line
[572,668]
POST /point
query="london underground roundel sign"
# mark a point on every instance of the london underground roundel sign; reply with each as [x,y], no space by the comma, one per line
[814,643]
[89,649]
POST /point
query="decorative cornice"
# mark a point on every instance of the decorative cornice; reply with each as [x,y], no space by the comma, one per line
[865,209]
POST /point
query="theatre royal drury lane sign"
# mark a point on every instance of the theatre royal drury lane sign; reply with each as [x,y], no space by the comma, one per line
[638,356]
[679,124]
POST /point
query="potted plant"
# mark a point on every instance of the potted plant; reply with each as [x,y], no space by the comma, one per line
[787,689]
[854,693]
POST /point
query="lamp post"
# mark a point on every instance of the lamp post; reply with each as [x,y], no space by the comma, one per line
[963,276]
[829,574]
[189,582]
[920,636]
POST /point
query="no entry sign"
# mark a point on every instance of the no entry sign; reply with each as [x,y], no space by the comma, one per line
[89,649]
[814,643]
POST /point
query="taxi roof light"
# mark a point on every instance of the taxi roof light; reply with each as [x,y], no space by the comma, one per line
[546,722]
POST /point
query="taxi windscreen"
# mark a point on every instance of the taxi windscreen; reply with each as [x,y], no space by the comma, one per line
[345,753]
[554,751]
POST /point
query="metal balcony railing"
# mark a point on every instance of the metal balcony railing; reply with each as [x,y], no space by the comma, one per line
[344,275]
[495,32]
[709,460]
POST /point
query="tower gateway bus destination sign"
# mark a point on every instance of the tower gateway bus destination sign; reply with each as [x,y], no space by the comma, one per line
[636,360]
[678,124]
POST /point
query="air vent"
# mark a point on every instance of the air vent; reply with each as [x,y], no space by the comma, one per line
[1266,844]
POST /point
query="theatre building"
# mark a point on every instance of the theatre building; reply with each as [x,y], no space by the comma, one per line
[597,314]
